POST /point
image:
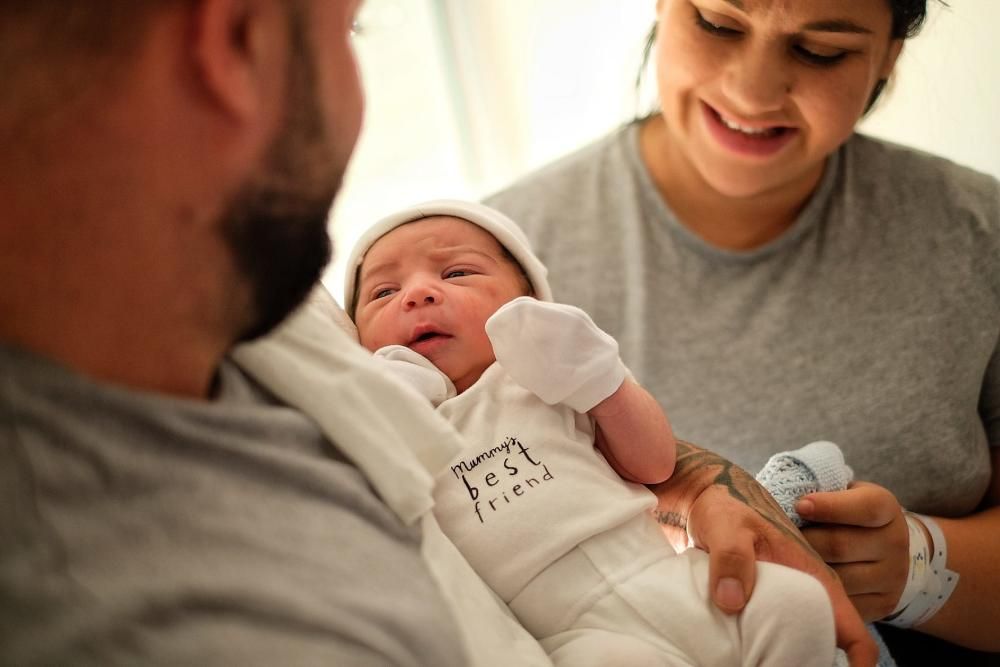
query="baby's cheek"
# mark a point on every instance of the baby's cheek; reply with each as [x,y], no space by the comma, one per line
[367,343]
[367,334]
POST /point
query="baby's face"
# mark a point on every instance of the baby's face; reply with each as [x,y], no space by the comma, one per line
[431,285]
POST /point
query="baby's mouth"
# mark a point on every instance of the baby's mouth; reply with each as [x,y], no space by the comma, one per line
[424,334]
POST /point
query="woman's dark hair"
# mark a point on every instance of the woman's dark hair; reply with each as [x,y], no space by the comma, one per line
[907,18]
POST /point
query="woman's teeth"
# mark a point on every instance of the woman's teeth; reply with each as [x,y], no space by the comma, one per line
[753,132]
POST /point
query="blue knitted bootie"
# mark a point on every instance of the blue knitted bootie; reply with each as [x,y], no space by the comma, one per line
[819,466]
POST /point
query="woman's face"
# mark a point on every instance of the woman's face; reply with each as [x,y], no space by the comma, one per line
[757,93]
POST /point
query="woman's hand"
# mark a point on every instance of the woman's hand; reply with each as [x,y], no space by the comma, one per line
[720,508]
[863,536]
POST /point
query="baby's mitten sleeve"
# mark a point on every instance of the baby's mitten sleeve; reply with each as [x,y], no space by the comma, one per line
[556,352]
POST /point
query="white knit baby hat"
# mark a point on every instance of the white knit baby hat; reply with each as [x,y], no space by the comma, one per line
[500,226]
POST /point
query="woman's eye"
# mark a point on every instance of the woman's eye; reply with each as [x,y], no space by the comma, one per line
[714,28]
[821,59]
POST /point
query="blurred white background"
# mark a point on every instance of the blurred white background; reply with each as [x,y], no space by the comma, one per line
[466,95]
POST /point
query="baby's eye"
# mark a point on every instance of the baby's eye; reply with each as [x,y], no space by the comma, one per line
[457,273]
[383,293]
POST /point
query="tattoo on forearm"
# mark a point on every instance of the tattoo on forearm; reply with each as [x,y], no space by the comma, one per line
[673,519]
[692,462]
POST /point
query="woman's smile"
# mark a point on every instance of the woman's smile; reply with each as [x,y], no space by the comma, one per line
[760,141]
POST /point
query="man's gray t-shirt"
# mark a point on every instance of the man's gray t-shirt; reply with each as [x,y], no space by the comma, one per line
[873,322]
[142,529]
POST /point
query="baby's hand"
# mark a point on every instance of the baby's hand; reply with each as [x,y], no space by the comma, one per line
[416,371]
[556,352]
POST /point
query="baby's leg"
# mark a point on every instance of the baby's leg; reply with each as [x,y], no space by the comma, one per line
[593,647]
[575,610]
[628,584]
[788,620]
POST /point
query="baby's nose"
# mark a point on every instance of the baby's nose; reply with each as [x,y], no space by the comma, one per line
[427,300]
[422,293]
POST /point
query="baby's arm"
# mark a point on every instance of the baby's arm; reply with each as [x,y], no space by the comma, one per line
[634,435]
[558,353]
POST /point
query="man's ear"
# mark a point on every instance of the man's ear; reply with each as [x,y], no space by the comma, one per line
[240,50]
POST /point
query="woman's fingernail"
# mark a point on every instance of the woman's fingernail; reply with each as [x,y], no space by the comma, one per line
[805,507]
[729,593]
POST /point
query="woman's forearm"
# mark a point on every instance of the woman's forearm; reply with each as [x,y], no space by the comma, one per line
[971,616]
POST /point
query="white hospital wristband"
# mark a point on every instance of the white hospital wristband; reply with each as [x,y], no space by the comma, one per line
[919,557]
[929,583]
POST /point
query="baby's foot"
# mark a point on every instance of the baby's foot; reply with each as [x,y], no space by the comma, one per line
[819,466]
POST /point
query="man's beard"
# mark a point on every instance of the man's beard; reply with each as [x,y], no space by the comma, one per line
[276,224]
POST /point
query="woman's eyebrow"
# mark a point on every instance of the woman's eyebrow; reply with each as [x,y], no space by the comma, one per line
[836,25]
[831,25]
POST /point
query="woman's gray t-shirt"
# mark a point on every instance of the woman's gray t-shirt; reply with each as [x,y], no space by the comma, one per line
[873,322]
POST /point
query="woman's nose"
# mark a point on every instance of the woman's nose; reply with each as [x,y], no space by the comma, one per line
[757,80]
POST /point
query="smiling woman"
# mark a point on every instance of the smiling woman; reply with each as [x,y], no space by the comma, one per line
[724,70]
[774,278]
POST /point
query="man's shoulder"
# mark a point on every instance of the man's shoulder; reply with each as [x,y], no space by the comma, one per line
[238,494]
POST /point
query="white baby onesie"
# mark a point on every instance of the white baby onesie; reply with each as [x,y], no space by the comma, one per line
[574,551]
[530,484]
